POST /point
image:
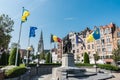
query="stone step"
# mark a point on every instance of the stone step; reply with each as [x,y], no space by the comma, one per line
[85,74]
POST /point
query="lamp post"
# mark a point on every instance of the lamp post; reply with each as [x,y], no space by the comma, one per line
[94,54]
[38,59]
[29,49]
[37,63]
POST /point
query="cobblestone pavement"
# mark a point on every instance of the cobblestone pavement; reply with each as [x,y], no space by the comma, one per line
[116,76]
[48,77]
[43,77]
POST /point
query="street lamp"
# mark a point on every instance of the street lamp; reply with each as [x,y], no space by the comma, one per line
[94,54]
[38,59]
[29,49]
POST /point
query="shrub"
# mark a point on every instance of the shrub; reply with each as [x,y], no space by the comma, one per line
[86,58]
[108,67]
[85,64]
[22,65]
[32,65]
[15,72]
[48,56]
[12,57]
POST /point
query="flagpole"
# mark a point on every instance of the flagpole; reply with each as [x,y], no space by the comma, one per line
[28,51]
[19,40]
[50,49]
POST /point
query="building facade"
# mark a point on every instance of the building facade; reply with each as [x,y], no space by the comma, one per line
[109,39]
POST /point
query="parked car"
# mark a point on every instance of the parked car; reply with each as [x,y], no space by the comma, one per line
[118,63]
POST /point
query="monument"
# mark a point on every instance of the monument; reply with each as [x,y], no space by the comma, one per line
[69,70]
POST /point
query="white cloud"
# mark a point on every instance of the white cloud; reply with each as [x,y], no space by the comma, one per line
[68,18]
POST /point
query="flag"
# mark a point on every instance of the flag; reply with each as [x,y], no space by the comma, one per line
[94,35]
[32,31]
[55,38]
[79,40]
[25,14]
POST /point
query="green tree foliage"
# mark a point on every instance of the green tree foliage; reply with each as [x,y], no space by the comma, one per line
[12,57]
[86,58]
[14,45]
[42,56]
[96,56]
[116,54]
[4,58]
[6,27]
[48,58]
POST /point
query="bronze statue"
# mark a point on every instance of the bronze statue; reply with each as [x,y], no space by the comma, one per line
[67,45]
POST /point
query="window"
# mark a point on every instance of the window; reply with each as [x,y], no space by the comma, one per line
[118,34]
[88,46]
[101,32]
[82,54]
[106,31]
[98,50]
[118,41]
[109,47]
[73,45]
[102,41]
[98,41]
[109,30]
[81,48]
[88,53]
[108,40]
[92,46]
[77,50]
[73,51]
[103,49]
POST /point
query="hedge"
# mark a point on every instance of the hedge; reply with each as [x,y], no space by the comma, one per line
[15,72]
[50,64]
[102,66]
[84,64]
[108,67]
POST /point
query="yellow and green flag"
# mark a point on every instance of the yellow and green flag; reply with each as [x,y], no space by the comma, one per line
[25,14]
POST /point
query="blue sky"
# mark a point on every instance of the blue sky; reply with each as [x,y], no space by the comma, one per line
[59,17]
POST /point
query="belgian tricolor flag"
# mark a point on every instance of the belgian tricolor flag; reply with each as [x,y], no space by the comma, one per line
[55,39]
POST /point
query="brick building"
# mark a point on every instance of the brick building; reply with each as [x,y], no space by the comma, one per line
[109,38]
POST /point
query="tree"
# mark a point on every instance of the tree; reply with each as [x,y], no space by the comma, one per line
[86,58]
[48,58]
[4,58]
[14,45]
[116,55]
[6,27]
[42,56]
[96,56]
[12,57]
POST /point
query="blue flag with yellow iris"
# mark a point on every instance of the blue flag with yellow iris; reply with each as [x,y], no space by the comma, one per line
[94,35]
[32,31]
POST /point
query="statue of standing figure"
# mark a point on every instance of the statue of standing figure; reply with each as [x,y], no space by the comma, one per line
[67,45]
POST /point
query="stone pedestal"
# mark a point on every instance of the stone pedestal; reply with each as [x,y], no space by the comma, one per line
[68,70]
[68,60]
